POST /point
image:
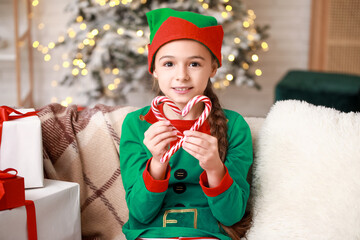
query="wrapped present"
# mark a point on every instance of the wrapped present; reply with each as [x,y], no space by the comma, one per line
[21,144]
[12,195]
[57,208]
[12,191]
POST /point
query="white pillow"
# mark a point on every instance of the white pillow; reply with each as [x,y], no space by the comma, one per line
[306,174]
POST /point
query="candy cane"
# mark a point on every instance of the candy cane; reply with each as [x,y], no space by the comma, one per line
[184,112]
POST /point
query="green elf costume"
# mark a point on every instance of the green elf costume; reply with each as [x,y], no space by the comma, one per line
[182,205]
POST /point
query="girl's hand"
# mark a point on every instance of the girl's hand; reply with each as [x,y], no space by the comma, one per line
[204,148]
[157,139]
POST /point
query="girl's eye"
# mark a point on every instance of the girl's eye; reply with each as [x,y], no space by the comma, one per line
[168,64]
[194,64]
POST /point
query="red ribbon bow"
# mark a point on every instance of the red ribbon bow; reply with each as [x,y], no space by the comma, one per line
[4,174]
[5,116]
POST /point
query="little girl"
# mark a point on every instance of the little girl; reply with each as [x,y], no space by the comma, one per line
[201,192]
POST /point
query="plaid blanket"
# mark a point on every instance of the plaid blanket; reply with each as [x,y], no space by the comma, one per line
[83,147]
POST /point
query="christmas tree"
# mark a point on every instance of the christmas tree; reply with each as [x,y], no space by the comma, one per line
[106,44]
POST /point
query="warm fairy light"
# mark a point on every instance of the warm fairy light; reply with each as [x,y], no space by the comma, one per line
[124,2]
[94,32]
[79,19]
[54,83]
[51,45]
[64,56]
[84,72]
[111,86]
[237,40]
[120,31]
[258,72]
[66,64]
[205,5]
[231,57]
[226,1]
[41,26]
[115,71]
[86,41]
[140,33]
[89,35]
[245,66]
[246,24]
[107,70]
[64,103]
[201,1]
[229,77]
[265,46]
[216,85]
[250,37]
[47,57]
[61,39]
[102,2]
[228,8]
[255,58]
[79,55]
[117,81]
[75,72]
[251,12]
[82,65]
[224,14]
[112,4]
[35,3]
[69,100]
[117,2]
[226,83]
[45,50]
[143,1]
[72,33]
[141,50]
[83,26]
[40,48]
[106,27]
[81,46]
[35,44]
[92,42]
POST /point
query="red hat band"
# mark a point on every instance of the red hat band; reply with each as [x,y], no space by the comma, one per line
[177,28]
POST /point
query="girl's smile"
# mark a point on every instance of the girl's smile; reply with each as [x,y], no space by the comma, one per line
[183,69]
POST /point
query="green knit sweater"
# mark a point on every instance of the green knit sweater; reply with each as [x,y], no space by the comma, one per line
[182,205]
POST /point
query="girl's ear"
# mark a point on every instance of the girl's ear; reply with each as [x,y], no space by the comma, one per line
[155,74]
[214,68]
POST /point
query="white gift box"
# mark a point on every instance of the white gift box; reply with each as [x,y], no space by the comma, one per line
[57,208]
[21,148]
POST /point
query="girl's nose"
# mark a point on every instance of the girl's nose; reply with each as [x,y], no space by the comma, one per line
[182,73]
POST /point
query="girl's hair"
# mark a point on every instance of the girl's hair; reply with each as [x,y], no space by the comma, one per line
[218,128]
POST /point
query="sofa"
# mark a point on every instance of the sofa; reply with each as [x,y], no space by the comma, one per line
[305,180]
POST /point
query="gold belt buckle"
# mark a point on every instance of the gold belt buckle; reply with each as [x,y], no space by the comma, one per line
[166,221]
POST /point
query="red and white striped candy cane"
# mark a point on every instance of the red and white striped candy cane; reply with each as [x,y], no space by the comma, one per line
[184,112]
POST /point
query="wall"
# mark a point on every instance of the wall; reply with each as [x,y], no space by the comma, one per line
[289,34]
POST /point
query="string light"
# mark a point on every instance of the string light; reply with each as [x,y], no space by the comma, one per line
[75,72]
[83,26]
[205,5]
[84,72]
[258,72]
[56,67]
[61,39]
[224,14]
[120,31]
[245,66]
[115,71]
[228,8]
[140,33]
[226,83]
[141,50]
[79,19]
[107,70]
[47,57]
[66,64]
[255,58]
[36,44]
[229,77]
[111,86]
[143,1]
[35,3]
[237,40]
[106,27]
[41,26]
[231,57]
[246,24]
[51,45]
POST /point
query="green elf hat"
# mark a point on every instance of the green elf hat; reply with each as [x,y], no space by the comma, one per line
[167,25]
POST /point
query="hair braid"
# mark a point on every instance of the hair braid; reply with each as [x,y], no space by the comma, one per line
[219,128]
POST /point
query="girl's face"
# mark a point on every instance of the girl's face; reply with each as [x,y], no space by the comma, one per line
[183,69]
